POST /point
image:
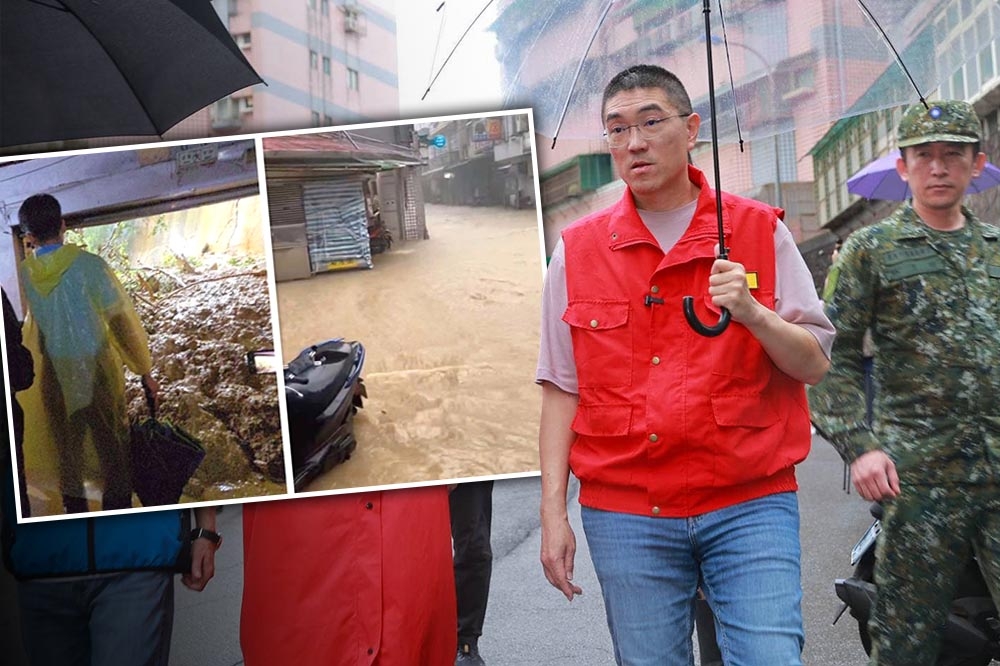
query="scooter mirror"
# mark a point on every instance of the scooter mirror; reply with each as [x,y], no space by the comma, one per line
[262,361]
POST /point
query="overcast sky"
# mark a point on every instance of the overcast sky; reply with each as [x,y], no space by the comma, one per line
[470,81]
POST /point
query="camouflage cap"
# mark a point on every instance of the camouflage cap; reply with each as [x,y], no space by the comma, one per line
[951,120]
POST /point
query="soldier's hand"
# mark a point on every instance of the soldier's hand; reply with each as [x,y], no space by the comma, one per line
[875,477]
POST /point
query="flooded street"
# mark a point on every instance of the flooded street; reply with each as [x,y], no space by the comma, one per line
[450,326]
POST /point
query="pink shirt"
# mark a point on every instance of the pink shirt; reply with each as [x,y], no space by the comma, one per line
[796,300]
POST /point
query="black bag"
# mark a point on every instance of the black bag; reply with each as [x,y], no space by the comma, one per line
[164,458]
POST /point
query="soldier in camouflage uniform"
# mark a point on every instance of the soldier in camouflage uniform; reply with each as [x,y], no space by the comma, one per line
[926,281]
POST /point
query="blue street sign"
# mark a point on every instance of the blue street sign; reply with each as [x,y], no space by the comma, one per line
[439,140]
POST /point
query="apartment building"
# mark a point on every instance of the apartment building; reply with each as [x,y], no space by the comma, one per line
[962,38]
[324,62]
[793,67]
[479,161]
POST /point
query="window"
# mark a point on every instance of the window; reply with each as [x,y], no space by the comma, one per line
[242,39]
[325,7]
[973,77]
[326,65]
[327,120]
[765,164]
[958,84]
[352,79]
[245,104]
[966,8]
[803,78]
[952,17]
[315,118]
[986,68]
[313,60]
[983,36]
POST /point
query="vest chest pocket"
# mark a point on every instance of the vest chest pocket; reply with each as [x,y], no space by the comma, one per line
[602,342]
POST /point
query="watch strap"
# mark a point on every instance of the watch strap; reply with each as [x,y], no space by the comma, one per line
[202,533]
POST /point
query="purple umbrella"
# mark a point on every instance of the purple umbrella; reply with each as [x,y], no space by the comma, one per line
[879,180]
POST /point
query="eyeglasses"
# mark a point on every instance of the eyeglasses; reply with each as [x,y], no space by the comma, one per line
[618,135]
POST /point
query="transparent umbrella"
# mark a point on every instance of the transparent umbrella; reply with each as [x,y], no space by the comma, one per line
[790,64]
[793,64]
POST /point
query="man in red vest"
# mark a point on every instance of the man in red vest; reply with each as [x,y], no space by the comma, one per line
[684,445]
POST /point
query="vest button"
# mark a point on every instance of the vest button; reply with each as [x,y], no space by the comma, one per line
[654,289]
[653,437]
[656,510]
[593,323]
[656,360]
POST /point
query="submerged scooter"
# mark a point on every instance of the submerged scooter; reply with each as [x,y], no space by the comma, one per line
[972,636]
[323,391]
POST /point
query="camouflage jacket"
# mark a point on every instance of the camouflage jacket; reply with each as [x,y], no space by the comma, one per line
[932,301]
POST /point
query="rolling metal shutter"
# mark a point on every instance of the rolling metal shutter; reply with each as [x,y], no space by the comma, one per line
[336,224]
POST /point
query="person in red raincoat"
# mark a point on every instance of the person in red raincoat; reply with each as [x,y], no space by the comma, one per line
[349,580]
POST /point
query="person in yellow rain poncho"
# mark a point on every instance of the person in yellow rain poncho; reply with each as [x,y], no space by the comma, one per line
[81,327]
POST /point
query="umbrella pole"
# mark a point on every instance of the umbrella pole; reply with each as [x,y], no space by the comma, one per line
[454,48]
[689,313]
[579,68]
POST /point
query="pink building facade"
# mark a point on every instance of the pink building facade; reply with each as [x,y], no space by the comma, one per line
[325,62]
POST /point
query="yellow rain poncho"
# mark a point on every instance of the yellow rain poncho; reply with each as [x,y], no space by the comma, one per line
[81,327]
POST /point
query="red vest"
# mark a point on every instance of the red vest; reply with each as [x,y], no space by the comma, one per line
[671,423]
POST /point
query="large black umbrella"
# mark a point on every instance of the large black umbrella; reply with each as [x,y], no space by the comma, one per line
[74,69]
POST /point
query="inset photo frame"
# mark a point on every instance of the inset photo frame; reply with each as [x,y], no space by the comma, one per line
[131,268]
[409,266]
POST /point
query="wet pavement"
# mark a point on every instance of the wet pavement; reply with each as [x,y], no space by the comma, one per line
[528,622]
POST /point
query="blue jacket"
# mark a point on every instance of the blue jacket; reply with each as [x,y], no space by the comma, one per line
[155,540]
[133,542]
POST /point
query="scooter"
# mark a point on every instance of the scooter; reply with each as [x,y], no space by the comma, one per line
[379,237]
[323,392]
[972,635]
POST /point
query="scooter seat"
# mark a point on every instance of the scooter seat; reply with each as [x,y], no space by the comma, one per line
[316,375]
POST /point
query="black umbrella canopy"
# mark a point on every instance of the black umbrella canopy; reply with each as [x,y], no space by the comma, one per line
[794,63]
[74,69]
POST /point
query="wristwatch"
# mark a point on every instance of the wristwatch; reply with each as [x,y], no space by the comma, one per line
[202,533]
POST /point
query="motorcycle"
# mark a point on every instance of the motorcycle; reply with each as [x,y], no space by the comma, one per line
[323,392]
[972,635]
[379,238]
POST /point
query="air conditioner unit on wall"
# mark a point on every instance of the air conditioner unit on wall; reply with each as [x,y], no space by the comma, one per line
[354,21]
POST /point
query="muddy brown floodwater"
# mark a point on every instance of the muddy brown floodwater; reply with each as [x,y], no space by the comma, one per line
[450,326]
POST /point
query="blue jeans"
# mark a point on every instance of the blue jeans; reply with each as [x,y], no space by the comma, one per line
[744,557]
[124,619]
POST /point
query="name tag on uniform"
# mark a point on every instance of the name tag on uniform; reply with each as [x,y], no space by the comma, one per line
[752,280]
[909,261]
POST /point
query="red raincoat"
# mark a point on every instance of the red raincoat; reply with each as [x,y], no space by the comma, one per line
[349,580]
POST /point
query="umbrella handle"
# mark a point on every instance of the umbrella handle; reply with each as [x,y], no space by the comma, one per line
[700,328]
[149,401]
